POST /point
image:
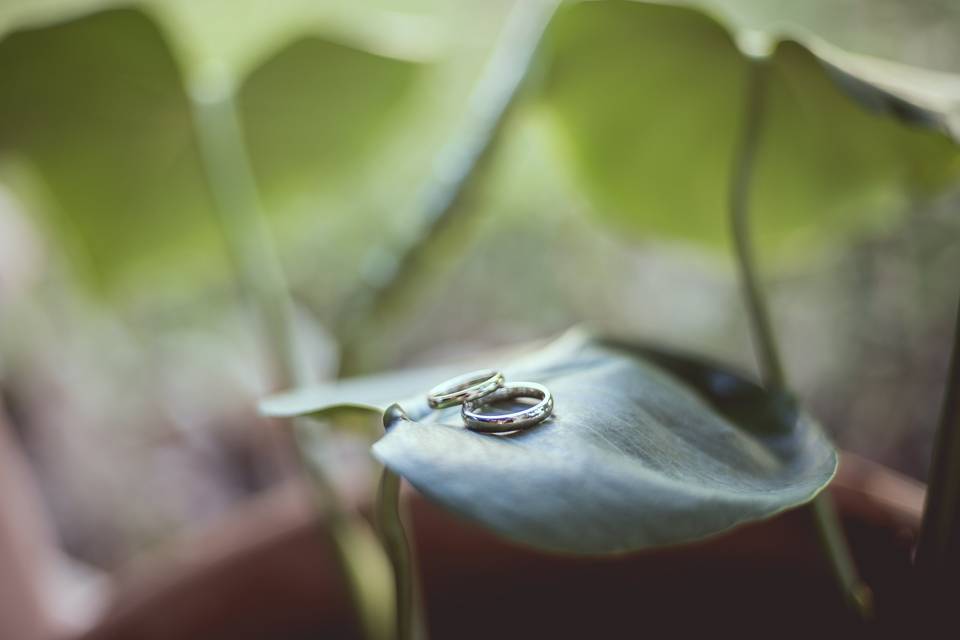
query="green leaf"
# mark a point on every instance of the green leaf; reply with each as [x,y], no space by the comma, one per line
[889,51]
[827,164]
[648,100]
[97,113]
[374,392]
[358,420]
[315,111]
[19,14]
[918,33]
[646,448]
[96,109]
[930,98]
[238,35]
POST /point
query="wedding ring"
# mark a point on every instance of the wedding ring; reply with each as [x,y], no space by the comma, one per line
[476,420]
[469,386]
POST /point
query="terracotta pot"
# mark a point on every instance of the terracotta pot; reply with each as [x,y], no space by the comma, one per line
[267,573]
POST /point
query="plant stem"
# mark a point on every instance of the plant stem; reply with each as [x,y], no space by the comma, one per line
[237,200]
[832,539]
[456,170]
[440,199]
[764,340]
[938,551]
[410,619]
[223,152]
[856,593]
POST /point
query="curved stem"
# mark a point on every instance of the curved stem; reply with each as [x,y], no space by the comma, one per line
[938,551]
[223,151]
[237,200]
[457,168]
[856,593]
[831,535]
[410,620]
[764,340]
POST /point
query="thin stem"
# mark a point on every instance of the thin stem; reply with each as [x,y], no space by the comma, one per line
[366,569]
[231,178]
[938,551]
[833,541]
[764,340]
[856,593]
[224,154]
[456,170]
[410,620]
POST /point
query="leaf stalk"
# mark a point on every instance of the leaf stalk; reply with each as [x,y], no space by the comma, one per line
[459,164]
[938,550]
[393,536]
[830,532]
[237,199]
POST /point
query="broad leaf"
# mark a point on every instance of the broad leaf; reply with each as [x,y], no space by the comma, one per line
[645,449]
[20,14]
[240,34]
[919,33]
[649,100]
[315,111]
[96,109]
[374,392]
[887,47]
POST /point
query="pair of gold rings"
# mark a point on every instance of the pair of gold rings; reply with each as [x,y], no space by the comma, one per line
[478,390]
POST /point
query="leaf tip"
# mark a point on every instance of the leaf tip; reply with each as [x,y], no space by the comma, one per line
[394,415]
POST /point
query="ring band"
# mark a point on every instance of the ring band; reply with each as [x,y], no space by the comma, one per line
[513,421]
[469,386]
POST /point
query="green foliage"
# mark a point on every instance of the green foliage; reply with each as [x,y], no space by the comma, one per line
[96,108]
[649,99]
[339,401]
[239,35]
[22,14]
[919,33]
[645,449]
[826,165]
[315,111]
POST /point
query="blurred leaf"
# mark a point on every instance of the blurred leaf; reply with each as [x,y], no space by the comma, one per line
[645,449]
[240,34]
[916,32]
[356,420]
[20,14]
[96,107]
[892,47]
[375,392]
[649,98]
[881,81]
[828,164]
[315,111]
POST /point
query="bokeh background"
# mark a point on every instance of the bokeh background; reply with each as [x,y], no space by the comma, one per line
[131,361]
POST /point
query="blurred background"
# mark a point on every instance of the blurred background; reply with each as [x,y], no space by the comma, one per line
[131,356]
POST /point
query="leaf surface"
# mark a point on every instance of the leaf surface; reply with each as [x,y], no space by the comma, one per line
[649,100]
[96,111]
[645,448]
